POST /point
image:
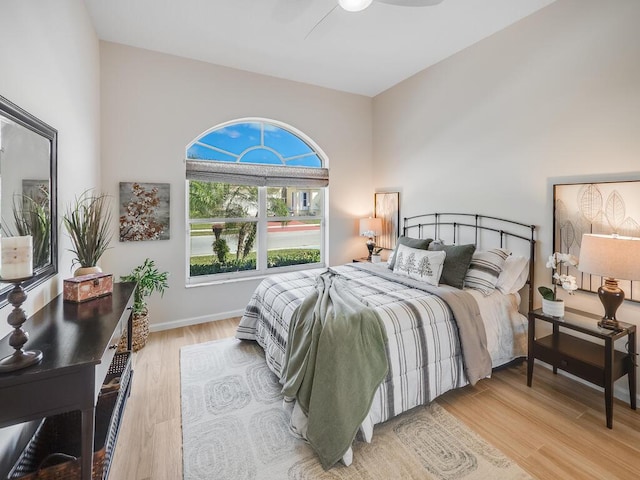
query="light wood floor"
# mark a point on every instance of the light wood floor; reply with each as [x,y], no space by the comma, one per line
[554,430]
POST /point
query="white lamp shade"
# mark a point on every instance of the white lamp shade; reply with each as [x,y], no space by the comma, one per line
[610,256]
[370,227]
[354,5]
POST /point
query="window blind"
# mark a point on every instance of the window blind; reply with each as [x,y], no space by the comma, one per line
[256,174]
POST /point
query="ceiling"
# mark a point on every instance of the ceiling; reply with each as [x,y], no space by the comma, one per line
[364,53]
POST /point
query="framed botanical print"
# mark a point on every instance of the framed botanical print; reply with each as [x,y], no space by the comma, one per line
[601,208]
[387,207]
[144,211]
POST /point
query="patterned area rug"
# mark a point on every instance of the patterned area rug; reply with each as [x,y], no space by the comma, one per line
[234,427]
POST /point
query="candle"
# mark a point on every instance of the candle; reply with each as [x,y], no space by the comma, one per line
[17,257]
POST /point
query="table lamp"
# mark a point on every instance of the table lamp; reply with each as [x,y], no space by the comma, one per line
[614,258]
[16,254]
[370,227]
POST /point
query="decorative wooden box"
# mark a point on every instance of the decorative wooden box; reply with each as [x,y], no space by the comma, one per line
[85,287]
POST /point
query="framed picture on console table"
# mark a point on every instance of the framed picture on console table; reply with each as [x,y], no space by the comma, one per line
[387,207]
[601,208]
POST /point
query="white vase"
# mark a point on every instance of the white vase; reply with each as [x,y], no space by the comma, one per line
[554,308]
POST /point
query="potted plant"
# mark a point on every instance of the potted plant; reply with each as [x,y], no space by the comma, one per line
[551,304]
[32,218]
[375,255]
[87,221]
[148,280]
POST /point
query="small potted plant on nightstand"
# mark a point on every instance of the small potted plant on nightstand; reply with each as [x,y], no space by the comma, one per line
[551,304]
[375,255]
[148,280]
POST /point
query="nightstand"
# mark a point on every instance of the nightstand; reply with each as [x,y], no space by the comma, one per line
[361,259]
[600,364]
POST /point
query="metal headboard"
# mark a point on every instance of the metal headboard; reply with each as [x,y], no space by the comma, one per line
[469,228]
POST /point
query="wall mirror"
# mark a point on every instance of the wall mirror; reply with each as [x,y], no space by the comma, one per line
[28,195]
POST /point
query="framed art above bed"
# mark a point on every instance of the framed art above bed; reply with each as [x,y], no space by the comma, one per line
[601,208]
[387,207]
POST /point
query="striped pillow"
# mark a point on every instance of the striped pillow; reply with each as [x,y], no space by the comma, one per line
[485,269]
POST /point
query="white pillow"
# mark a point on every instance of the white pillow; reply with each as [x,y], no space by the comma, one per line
[423,265]
[484,270]
[514,274]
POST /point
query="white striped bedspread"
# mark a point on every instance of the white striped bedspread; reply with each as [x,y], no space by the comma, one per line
[423,347]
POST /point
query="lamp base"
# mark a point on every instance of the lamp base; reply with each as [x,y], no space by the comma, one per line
[611,297]
[20,359]
[609,324]
[370,246]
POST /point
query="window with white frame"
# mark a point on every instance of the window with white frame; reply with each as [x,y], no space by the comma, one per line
[256,201]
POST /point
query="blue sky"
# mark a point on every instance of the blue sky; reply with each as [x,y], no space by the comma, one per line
[254,142]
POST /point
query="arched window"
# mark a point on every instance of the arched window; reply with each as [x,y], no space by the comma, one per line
[256,200]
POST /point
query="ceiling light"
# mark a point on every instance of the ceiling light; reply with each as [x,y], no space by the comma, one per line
[354,5]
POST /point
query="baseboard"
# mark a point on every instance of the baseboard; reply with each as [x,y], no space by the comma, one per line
[185,322]
[620,390]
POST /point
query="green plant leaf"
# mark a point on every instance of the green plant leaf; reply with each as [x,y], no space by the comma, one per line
[546,293]
[148,280]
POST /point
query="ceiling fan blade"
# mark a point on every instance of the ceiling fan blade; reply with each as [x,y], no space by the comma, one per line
[411,3]
[320,21]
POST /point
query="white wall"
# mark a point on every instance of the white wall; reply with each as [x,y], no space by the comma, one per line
[554,98]
[49,65]
[154,104]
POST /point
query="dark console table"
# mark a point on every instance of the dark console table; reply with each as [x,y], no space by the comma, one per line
[78,342]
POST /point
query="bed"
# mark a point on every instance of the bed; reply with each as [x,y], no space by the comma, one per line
[357,344]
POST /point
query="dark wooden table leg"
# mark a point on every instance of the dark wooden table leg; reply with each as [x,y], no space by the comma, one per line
[556,335]
[530,358]
[608,380]
[632,369]
[88,416]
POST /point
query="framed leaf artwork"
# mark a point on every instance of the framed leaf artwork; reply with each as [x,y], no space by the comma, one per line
[602,208]
[387,207]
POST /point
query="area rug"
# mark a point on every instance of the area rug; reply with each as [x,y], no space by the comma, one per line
[234,427]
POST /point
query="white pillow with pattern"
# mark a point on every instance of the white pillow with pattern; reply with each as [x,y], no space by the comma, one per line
[423,265]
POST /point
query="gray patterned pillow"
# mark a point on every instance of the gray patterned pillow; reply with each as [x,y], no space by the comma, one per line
[485,269]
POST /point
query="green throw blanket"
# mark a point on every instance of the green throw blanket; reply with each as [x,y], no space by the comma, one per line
[335,361]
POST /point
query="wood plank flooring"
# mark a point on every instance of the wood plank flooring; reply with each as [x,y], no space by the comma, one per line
[554,430]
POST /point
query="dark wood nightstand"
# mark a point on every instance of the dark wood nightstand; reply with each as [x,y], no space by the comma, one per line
[361,259]
[596,363]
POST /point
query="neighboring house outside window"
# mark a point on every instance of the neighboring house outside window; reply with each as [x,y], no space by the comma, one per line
[257,195]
